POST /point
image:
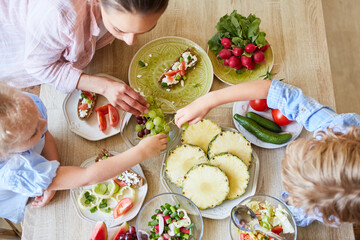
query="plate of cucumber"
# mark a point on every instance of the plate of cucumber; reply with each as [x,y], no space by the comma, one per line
[272,136]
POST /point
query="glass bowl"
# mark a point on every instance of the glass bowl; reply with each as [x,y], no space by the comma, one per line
[154,203]
[234,231]
[128,123]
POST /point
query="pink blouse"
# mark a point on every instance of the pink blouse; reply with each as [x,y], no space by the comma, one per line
[48,41]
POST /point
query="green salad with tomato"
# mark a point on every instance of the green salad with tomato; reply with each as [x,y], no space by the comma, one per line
[271,218]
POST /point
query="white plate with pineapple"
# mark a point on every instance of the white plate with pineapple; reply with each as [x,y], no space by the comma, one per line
[214,167]
[105,214]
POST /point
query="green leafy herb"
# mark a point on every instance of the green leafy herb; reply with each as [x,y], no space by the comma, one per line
[268,74]
[164,84]
[141,63]
[181,59]
[189,58]
[241,30]
[83,96]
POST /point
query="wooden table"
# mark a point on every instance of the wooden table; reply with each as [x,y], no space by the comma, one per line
[296,32]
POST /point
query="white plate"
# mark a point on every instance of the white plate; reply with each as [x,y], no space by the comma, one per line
[243,107]
[89,128]
[223,210]
[108,218]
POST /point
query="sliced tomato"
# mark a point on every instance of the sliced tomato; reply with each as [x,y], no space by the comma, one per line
[101,121]
[113,115]
[88,95]
[122,207]
[270,238]
[103,109]
[182,68]
[184,230]
[171,73]
[170,79]
[244,236]
[278,229]
[83,106]
[119,182]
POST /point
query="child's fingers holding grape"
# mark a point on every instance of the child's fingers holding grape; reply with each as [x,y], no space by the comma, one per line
[151,146]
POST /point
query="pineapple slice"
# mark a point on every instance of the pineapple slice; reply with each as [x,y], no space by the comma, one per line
[231,142]
[206,185]
[201,133]
[181,159]
[236,170]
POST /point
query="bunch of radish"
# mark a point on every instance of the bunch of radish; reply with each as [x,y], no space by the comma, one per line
[236,57]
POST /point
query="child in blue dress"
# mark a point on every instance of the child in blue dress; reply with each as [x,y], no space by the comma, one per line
[29,165]
[320,174]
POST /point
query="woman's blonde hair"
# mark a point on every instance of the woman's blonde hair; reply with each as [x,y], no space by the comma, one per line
[324,175]
[15,117]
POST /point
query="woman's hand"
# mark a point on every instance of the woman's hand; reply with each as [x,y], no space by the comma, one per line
[41,201]
[119,94]
[152,146]
[193,112]
[122,96]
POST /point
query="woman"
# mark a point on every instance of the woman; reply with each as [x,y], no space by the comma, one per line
[51,41]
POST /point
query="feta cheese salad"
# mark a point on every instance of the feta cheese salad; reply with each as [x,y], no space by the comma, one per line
[272,218]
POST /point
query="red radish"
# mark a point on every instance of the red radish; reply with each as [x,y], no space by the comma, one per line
[225,53]
[226,42]
[250,66]
[226,62]
[258,57]
[250,48]
[237,51]
[245,60]
[184,230]
[238,66]
[234,61]
[264,48]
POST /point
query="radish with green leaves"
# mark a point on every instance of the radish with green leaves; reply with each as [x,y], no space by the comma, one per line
[264,48]
[237,51]
[226,42]
[245,60]
[225,53]
[234,61]
[250,47]
[259,57]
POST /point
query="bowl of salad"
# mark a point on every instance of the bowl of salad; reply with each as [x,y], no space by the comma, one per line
[169,216]
[272,213]
[159,119]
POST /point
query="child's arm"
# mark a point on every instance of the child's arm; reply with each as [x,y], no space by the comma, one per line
[50,151]
[72,177]
[197,110]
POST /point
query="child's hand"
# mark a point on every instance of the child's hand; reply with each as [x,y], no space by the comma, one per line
[41,201]
[152,146]
[193,112]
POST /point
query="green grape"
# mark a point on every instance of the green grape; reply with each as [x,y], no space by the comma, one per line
[138,128]
[157,121]
[150,100]
[152,114]
[159,129]
[159,112]
[149,125]
[166,129]
[185,126]
[153,132]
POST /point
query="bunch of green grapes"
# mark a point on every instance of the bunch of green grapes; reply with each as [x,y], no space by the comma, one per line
[153,122]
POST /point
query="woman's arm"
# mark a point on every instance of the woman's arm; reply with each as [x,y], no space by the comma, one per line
[119,94]
[198,109]
[68,177]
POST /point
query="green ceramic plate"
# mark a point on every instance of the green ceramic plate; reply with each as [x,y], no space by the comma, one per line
[231,77]
[164,51]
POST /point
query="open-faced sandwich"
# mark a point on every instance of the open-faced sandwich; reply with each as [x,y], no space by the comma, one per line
[128,178]
[86,104]
[176,73]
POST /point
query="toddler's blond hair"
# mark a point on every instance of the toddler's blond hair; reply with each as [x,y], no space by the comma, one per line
[325,175]
[14,117]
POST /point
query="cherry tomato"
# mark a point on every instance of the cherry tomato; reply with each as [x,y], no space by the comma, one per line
[88,95]
[103,109]
[113,115]
[119,182]
[244,236]
[171,73]
[122,207]
[182,68]
[259,105]
[101,121]
[278,229]
[184,230]
[279,118]
[83,106]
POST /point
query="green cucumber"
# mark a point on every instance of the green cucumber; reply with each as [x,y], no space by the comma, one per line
[264,122]
[260,132]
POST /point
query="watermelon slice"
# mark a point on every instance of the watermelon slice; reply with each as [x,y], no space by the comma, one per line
[124,228]
[99,232]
